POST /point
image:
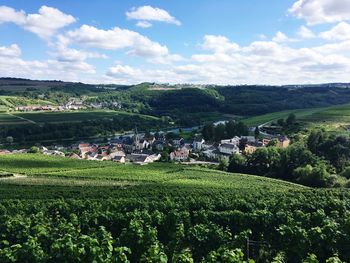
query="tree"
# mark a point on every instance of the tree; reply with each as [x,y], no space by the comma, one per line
[34,149]
[281,122]
[9,139]
[316,176]
[311,258]
[223,164]
[291,119]
[219,132]
[315,139]
[237,164]
[256,132]
[272,143]
[208,132]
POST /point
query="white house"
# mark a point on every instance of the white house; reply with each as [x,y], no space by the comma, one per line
[180,155]
[228,149]
[235,140]
[197,144]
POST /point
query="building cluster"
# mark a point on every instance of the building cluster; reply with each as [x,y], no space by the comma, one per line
[72,104]
[237,145]
[133,149]
[144,149]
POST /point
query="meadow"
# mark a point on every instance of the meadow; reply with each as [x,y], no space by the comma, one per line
[87,211]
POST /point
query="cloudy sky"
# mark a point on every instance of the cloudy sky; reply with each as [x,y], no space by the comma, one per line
[207,41]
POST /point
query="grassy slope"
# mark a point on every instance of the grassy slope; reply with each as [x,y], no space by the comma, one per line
[13,101]
[261,119]
[57,117]
[334,119]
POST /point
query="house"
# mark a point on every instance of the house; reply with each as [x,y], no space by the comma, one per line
[3,152]
[142,159]
[150,140]
[117,153]
[158,145]
[228,149]
[248,139]
[53,153]
[249,149]
[283,142]
[198,143]
[235,141]
[119,159]
[211,153]
[178,141]
[180,155]
[74,156]
[102,157]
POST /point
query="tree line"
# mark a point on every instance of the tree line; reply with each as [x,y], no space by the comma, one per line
[320,160]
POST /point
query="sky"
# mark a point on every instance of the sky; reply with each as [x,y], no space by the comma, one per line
[270,42]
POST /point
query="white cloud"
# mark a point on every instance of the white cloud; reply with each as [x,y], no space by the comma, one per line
[305,33]
[280,37]
[44,24]
[10,51]
[10,15]
[261,62]
[130,75]
[115,39]
[72,55]
[321,11]
[339,32]
[45,69]
[219,44]
[148,13]
[143,24]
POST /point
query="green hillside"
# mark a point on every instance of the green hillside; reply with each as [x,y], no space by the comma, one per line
[77,116]
[55,208]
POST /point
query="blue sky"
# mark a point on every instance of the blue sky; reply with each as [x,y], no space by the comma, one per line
[205,42]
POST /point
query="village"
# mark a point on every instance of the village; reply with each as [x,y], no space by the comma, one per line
[73,104]
[142,149]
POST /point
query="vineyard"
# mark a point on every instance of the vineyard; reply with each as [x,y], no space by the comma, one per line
[61,210]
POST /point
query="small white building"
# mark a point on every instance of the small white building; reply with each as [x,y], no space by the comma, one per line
[197,144]
[119,159]
[235,140]
[228,149]
[180,155]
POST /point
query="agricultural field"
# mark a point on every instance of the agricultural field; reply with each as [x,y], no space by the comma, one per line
[14,101]
[270,117]
[55,209]
[335,114]
[75,116]
[9,119]
[334,119]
